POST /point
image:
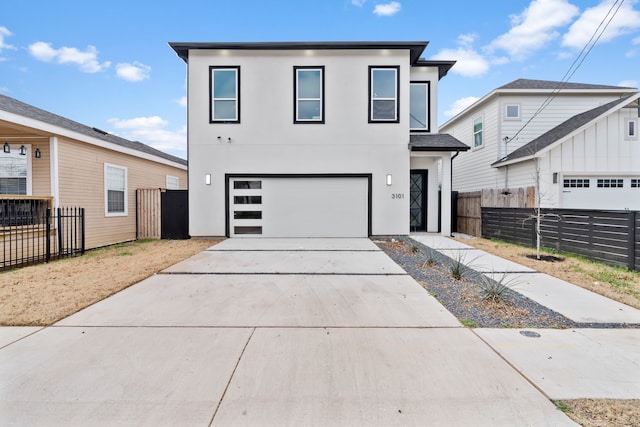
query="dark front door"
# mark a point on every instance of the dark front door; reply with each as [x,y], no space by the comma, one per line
[418,200]
[174,214]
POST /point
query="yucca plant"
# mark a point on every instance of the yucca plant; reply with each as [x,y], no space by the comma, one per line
[497,290]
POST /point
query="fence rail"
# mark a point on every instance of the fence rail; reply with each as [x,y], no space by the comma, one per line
[31,233]
[611,237]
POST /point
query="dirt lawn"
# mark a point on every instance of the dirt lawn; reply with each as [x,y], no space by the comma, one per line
[42,294]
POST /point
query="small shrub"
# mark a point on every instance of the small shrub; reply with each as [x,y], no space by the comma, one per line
[496,290]
[457,266]
[415,249]
[429,262]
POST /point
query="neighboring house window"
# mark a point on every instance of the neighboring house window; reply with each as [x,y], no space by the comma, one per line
[576,183]
[115,190]
[610,183]
[512,112]
[419,106]
[635,183]
[225,94]
[173,182]
[14,172]
[309,94]
[477,132]
[384,90]
[631,128]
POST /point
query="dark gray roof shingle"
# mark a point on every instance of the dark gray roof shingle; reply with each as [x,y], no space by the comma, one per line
[560,131]
[435,142]
[551,85]
[14,106]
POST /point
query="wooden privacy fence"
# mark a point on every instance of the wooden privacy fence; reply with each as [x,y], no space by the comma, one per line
[611,237]
[469,216]
[148,213]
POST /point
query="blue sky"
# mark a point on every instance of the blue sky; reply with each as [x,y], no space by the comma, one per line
[107,64]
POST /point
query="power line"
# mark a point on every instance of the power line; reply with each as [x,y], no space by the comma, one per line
[577,62]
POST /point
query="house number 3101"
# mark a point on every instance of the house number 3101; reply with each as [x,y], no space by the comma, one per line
[397,196]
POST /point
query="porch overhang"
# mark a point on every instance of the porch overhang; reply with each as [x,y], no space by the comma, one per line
[435,142]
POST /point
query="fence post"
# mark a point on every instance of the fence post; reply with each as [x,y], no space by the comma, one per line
[60,241]
[82,224]
[48,231]
[631,242]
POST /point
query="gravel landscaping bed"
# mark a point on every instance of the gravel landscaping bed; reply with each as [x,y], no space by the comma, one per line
[464,297]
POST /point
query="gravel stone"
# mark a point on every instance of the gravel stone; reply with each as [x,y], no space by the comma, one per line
[463,298]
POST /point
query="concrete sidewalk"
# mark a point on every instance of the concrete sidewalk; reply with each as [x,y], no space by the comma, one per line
[265,333]
[565,364]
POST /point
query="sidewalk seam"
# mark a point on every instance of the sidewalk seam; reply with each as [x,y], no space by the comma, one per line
[233,373]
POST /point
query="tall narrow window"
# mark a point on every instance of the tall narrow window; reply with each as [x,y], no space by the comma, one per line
[477,132]
[419,107]
[631,128]
[384,91]
[115,190]
[309,94]
[225,94]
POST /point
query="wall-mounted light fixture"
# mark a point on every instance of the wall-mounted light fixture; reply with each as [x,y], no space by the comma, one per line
[23,150]
[389,178]
[38,153]
[555,177]
[207,179]
[7,147]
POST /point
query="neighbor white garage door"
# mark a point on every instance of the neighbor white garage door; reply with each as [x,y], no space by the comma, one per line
[299,207]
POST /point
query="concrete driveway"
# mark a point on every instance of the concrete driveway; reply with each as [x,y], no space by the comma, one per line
[267,332]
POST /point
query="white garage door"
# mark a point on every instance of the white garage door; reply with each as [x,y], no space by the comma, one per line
[610,193]
[299,207]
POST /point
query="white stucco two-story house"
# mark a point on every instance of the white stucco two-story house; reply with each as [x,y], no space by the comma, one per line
[580,141]
[315,139]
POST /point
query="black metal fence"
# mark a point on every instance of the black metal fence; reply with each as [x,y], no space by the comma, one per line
[33,234]
[611,237]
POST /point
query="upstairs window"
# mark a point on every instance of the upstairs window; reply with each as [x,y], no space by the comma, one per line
[512,112]
[14,171]
[115,190]
[631,128]
[225,94]
[384,89]
[419,107]
[477,133]
[309,94]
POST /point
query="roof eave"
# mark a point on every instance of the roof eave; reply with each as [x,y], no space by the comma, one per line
[182,48]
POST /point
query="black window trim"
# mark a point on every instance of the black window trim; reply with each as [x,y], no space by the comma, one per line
[370,81]
[295,93]
[428,83]
[224,67]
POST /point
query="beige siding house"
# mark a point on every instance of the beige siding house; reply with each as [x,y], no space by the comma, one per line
[45,155]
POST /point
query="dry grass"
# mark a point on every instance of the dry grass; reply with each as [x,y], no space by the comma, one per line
[611,282]
[43,294]
[603,412]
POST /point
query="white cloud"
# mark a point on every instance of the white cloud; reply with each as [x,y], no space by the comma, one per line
[625,21]
[358,3]
[182,101]
[636,40]
[469,63]
[152,131]
[628,83]
[459,105]
[87,61]
[4,32]
[387,9]
[135,72]
[534,27]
